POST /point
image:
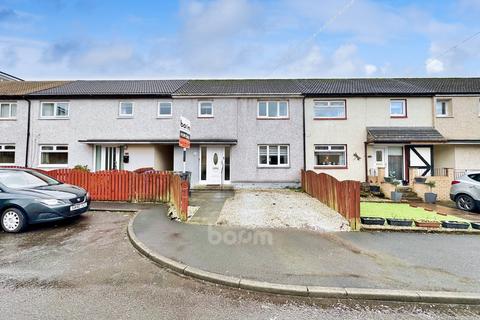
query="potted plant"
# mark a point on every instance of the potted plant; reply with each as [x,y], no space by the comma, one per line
[430,197]
[420,179]
[391,177]
[395,195]
[400,222]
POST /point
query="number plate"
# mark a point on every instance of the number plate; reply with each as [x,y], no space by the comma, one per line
[78,206]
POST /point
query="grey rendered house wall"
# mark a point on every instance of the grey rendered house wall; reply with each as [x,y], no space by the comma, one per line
[15,131]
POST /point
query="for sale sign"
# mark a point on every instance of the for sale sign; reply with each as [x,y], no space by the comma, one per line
[184,141]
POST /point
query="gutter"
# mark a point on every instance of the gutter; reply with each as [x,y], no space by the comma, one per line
[304,137]
[27,148]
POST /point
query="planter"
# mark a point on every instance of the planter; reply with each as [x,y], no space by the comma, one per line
[455,225]
[396,196]
[475,225]
[372,221]
[420,179]
[427,224]
[388,179]
[375,189]
[400,222]
[430,197]
[413,205]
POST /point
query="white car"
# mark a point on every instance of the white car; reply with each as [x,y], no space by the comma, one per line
[465,191]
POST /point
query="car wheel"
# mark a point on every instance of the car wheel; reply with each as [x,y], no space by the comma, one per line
[465,202]
[13,220]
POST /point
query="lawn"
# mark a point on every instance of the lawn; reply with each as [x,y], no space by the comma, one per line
[401,211]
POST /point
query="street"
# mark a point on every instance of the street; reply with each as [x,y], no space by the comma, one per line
[87,268]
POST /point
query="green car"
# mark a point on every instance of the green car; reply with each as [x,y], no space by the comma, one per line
[29,197]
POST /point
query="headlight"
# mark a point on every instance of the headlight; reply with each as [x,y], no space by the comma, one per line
[88,195]
[51,202]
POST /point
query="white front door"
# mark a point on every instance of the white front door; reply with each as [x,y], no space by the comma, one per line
[215,164]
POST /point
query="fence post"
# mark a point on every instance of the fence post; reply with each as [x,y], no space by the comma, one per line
[184,200]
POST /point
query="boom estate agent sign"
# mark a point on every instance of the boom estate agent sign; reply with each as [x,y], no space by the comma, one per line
[184,141]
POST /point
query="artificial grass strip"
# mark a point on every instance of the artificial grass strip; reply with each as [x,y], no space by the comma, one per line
[401,211]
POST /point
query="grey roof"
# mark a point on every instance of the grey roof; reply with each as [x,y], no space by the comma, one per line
[365,86]
[240,87]
[446,85]
[115,87]
[404,134]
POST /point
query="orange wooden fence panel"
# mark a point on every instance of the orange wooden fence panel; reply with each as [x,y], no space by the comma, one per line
[341,196]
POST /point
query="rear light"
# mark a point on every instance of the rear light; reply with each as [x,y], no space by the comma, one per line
[455,182]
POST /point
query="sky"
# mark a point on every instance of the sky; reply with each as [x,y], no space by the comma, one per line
[115,39]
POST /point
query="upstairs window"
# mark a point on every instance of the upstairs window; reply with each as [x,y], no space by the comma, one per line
[8,110]
[331,156]
[205,109]
[443,108]
[273,155]
[7,154]
[398,108]
[272,110]
[54,110]
[125,110]
[330,110]
[164,109]
[53,155]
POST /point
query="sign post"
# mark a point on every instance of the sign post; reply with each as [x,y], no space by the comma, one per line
[184,141]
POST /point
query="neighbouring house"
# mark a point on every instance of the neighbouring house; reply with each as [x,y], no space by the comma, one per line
[246,132]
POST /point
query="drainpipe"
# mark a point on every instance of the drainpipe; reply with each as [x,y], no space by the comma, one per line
[27,148]
[366,161]
[304,137]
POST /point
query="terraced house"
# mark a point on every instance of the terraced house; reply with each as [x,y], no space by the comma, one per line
[246,132]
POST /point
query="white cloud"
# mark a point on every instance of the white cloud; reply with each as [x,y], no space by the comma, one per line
[370,69]
[433,65]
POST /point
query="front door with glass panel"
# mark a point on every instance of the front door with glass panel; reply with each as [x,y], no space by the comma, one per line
[395,162]
[214,158]
[108,158]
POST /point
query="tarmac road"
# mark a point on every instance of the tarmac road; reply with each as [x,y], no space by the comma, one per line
[87,269]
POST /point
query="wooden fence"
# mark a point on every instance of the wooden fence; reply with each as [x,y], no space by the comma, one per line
[341,196]
[129,186]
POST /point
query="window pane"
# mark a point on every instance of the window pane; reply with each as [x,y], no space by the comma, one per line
[272,109]
[227,163]
[48,110]
[62,148]
[283,155]
[330,158]
[262,153]
[54,158]
[7,157]
[321,147]
[13,110]
[62,109]
[206,108]
[126,108]
[397,108]
[262,109]
[379,156]
[46,148]
[336,148]
[335,109]
[9,147]
[273,155]
[5,111]
[203,164]
[165,109]
[283,109]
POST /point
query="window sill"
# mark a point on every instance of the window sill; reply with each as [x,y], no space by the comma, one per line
[330,167]
[273,118]
[54,118]
[205,117]
[273,167]
[164,117]
[444,117]
[8,119]
[329,118]
[125,117]
[398,117]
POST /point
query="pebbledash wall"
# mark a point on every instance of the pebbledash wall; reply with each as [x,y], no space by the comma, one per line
[14,131]
[362,112]
[234,119]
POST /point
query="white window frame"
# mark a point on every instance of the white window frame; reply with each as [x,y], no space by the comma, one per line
[43,165]
[10,105]
[329,102]
[55,108]
[125,115]
[159,115]
[447,108]
[14,150]
[277,102]
[267,165]
[200,115]
[404,103]
[329,150]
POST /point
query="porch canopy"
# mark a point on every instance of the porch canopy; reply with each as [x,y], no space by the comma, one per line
[404,135]
[154,141]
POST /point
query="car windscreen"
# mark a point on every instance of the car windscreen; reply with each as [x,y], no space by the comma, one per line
[25,179]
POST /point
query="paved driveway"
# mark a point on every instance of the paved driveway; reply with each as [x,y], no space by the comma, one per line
[87,269]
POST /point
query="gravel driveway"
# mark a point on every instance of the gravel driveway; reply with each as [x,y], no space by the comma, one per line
[280,209]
